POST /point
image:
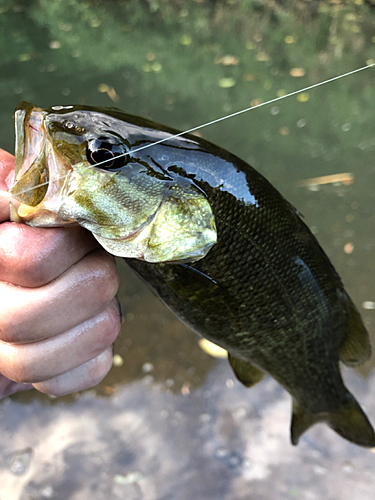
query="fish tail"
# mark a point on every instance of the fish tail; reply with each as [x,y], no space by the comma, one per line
[349,421]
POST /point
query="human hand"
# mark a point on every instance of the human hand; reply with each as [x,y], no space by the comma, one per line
[58,312]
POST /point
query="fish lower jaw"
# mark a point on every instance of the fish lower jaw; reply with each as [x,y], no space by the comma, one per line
[138,245]
[38,216]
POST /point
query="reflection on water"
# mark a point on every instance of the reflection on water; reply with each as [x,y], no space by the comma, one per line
[144,442]
[169,422]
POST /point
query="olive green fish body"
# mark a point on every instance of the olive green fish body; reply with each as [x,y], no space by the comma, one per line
[214,239]
[266,291]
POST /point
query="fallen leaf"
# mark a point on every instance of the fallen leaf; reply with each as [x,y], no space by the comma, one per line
[344,178]
[117,360]
[227,60]
[110,91]
[185,40]
[249,78]
[262,57]
[226,83]
[297,72]
[284,131]
[348,248]
[303,97]
[256,102]
[108,390]
[212,349]
[289,39]
[185,391]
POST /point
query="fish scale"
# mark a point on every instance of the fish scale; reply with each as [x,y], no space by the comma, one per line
[240,266]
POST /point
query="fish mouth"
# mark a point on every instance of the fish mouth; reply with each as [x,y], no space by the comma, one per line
[31,176]
[30,136]
[34,192]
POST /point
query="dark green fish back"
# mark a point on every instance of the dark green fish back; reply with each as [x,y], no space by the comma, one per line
[272,302]
[269,295]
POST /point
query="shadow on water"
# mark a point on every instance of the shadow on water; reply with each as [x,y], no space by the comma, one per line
[169,422]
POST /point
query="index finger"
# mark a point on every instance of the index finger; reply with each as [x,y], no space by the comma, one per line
[32,257]
[6,181]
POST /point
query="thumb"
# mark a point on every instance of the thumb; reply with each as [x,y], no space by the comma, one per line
[6,181]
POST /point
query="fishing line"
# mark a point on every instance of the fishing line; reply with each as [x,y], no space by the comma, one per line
[248,109]
[217,120]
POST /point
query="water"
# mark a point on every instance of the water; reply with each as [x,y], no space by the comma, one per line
[169,422]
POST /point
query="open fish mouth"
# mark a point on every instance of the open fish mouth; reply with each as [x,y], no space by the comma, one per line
[30,144]
[35,194]
[30,135]
[31,179]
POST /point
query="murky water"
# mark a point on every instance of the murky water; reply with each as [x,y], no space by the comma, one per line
[171,422]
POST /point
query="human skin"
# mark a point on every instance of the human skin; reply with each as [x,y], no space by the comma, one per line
[59,315]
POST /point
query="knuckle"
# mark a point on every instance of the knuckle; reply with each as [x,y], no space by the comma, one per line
[7,335]
[111,325]
[28,272]
[99,367]
[10,330]
[107,280]
[22,259]
[107,329]
[80,378]
[18,369]
[31,271]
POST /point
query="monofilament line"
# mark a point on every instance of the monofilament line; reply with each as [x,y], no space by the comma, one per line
[236,113]
[217,120]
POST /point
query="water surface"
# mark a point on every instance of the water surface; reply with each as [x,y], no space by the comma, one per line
[171,422]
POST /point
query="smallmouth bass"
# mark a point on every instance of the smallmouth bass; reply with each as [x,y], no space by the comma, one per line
[212,237]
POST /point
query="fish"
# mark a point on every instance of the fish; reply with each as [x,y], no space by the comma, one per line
[212,237]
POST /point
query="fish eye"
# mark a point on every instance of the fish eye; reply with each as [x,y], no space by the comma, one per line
[106,154]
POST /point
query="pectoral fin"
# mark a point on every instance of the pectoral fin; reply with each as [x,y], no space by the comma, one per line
[356,348]
[246,373]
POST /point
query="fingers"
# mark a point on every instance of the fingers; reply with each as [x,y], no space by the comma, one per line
[30,315]
[58,312]
[6,181]
[87,375]
[32,257]
[49,359]
[8,387]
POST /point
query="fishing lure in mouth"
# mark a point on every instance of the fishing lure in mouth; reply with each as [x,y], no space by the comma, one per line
[212,237]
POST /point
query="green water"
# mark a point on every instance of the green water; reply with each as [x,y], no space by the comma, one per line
[185,63]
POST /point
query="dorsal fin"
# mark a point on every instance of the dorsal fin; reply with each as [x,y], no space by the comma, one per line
[356,348]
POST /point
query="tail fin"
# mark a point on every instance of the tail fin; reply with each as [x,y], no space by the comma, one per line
[349,421]
[302,420]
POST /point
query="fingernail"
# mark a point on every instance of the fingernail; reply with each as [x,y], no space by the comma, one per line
[119,307]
